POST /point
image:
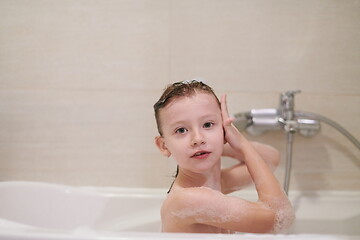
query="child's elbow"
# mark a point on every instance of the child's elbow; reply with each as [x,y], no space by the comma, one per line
[284,216]
[284,219]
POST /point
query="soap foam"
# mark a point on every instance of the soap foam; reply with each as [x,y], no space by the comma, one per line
[284,214]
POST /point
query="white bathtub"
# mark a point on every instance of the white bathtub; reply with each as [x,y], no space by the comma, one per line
[31,210]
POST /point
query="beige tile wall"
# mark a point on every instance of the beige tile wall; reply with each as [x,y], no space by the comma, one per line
[78,80]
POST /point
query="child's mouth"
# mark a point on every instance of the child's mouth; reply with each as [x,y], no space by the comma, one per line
[201,155]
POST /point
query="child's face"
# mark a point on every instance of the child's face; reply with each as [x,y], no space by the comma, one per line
[192,132]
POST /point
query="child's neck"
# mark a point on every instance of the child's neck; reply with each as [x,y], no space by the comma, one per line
[210,179]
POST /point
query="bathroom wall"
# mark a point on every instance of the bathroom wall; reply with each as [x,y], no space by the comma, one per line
[78,80]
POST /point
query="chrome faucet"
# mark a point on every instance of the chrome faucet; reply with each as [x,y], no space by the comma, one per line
[258,121]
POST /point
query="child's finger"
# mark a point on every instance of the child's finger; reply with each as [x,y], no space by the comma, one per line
[224,111]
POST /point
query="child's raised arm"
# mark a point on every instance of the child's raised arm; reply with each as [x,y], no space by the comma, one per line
[268,188]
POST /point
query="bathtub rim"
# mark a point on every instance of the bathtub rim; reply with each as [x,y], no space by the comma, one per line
[159,193]
[58,235]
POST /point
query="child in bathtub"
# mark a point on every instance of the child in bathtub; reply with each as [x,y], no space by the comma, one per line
[196,130]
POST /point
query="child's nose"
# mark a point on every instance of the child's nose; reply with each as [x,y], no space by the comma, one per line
[197,139]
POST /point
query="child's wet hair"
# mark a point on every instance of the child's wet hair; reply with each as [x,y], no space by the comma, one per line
[180,89]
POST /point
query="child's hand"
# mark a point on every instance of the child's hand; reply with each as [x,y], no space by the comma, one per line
[232,135]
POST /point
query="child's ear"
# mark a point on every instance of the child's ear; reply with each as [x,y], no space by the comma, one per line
[160,143]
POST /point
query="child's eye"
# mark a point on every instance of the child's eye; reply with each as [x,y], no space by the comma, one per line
[181,130]
[208,125]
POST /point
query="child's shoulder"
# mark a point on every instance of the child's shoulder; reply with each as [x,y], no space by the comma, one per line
[192,197]
[185,207]
[193,192]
